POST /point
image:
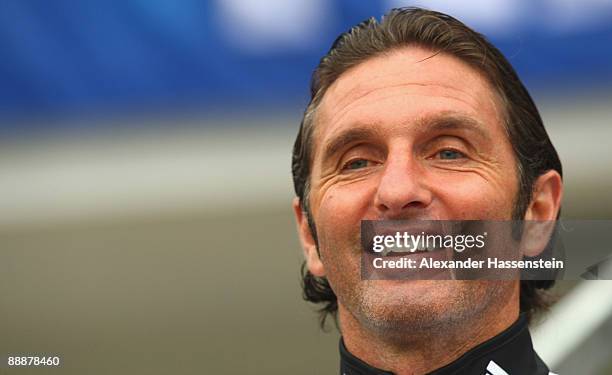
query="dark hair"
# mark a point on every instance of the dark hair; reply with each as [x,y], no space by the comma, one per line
[442,34]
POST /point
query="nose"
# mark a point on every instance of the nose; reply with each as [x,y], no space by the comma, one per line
[402,192]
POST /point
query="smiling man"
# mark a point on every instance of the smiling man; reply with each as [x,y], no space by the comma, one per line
[419,117]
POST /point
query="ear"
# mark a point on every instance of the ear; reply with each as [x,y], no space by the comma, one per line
[313,262]
[541,215]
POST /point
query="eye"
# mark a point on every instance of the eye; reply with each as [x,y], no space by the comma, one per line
[356,164]
[449,154]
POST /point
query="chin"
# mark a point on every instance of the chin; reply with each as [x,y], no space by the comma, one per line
[423,305]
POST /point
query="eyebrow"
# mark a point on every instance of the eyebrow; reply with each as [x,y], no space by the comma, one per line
[454,122]
[436,123]
[348,137]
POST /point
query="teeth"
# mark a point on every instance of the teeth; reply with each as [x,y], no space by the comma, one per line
[393,249]
[421,246]
[411,248]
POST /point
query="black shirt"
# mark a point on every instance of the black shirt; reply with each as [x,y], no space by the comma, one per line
[509,353]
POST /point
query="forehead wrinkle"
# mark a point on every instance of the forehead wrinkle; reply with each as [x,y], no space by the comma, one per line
[387,80]
[356,92]
[366,91]
[338,116]
[362,92]
[381,58]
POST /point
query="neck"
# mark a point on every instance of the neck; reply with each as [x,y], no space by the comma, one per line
[421,352]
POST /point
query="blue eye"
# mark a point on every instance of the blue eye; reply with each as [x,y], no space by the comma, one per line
[356,164]
[450,154]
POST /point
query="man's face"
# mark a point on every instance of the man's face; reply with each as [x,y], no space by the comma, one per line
[408,135]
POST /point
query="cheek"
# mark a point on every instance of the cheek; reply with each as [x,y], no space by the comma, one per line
[345,203]
[338,221]
[340,211]
[474,198]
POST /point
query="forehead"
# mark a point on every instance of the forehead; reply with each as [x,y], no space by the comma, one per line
[405,85]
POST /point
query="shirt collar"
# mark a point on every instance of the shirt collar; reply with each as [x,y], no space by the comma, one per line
[510,352]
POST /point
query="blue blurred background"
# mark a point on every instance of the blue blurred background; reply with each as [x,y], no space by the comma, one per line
[66,58]
[145,189]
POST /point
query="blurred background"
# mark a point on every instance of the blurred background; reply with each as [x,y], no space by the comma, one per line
[145,186]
